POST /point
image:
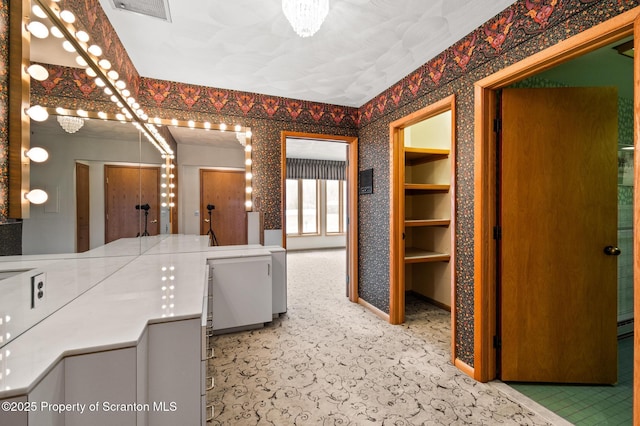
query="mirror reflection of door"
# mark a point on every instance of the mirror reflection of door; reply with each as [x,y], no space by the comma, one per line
[125,188]
[225,190]
[82,208]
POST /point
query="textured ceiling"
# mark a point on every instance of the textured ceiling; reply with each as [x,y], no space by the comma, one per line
[363,47]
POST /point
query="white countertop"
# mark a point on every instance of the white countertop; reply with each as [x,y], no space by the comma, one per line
[118,297]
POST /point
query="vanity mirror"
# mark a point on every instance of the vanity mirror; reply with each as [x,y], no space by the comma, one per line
[106,182]
[82,211]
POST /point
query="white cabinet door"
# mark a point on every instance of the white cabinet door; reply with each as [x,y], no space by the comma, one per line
[174,373]
[48,392]
[279,280]
[12,415]
[106,378]
[242,294]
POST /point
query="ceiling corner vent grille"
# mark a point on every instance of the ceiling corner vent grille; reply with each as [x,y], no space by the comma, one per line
[154,8]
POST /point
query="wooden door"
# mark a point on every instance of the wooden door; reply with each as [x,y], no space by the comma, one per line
[82,208]
[558,213]
[225,191]
[125,188]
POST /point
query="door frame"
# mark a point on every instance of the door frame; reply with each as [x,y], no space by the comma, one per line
[352,199]
[485,303]
[396,219]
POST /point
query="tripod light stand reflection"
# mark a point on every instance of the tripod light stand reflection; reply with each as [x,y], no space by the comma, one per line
[212,236]
[146,208]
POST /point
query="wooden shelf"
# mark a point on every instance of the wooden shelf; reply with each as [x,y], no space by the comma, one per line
[426,222]
[425,188]
[414,156]
[416,255]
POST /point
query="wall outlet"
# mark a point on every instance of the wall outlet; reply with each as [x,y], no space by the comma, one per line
[38,290]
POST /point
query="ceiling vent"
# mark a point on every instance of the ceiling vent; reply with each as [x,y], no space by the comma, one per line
[154,8]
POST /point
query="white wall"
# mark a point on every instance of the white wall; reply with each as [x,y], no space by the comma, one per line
[51,227]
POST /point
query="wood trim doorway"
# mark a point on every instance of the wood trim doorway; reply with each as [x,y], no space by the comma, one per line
[352,199]
[484,176]
[397,218]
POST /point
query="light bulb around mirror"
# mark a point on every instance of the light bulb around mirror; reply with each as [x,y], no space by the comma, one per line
[82,36]
[38,72]
[95,50]
[37,154]
[37,113]
[67,16]
[55,31]
[66,45]
[37,10]
[36,196]
[104,64]
[38,29]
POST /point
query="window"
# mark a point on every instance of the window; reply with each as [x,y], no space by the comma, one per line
[309,200]
[302,207]
[336,201]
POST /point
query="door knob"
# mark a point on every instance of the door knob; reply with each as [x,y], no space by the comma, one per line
[612,251]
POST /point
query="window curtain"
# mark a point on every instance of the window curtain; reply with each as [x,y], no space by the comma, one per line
[304,168]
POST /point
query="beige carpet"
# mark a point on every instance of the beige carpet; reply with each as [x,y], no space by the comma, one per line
[331,362]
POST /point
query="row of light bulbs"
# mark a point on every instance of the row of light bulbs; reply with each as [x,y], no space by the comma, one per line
[168,287]
[144,124]
[89,57]
[4,354]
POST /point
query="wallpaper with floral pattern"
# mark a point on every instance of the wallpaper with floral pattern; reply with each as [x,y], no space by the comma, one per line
[521,30]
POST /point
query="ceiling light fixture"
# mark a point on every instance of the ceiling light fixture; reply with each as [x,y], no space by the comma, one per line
[305,16]
[69,123]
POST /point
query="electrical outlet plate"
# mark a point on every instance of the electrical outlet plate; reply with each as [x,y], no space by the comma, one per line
[38,290]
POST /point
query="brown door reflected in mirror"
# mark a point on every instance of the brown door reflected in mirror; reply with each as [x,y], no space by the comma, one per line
[224,190]
[131,201]
[82,208]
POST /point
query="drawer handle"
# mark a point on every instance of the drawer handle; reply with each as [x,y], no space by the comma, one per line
[211,384]
[209,410]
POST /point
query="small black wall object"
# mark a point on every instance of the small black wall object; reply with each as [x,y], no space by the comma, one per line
[365,182]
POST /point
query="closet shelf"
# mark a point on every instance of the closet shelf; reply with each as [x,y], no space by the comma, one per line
[417,255]
[427,222]
[425,188]
[414,156]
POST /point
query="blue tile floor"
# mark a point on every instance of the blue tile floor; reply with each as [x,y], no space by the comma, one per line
[590,405]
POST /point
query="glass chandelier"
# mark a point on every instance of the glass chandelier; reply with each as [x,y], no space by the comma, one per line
[305,16]
[70,123]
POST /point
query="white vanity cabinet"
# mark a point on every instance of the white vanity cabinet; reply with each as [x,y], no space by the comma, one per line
[107,378]
[175,373]
[241,291]
[279,279]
